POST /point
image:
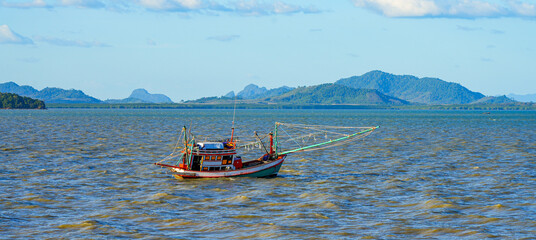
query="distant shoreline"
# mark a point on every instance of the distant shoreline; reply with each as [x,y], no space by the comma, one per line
[517,106]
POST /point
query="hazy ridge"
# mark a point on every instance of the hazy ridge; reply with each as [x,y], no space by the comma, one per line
[372,88]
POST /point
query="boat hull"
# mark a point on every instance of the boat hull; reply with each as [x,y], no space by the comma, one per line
[268,169]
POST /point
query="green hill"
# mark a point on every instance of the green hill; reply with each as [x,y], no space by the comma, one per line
[253,91]
[11,87]
[216,100]
[125,100]
[494,100]
[14,101]
[58,95]
[334,94]
[49,95]
[413,89]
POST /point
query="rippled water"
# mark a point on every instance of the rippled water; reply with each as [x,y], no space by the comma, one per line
[423,174]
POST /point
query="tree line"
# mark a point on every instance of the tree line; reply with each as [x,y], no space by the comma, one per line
[14,101]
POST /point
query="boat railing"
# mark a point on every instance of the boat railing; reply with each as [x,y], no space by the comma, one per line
[216,151]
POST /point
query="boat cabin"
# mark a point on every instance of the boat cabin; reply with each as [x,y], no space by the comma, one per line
[214,156]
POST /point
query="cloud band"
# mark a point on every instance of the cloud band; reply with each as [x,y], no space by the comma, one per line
[449,8]
[244,7]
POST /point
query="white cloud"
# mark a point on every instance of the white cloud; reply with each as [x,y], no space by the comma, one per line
[56,3]
[469,29]
[224,38]
[397,8]
[32,4]
[82,3]
[242,7]
[8,36]
[523,9]
[256,8]
[171,5]
[190,3]
[449,8]
[70,43]
[477,8]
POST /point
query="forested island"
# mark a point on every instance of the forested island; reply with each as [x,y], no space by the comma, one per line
[14,101]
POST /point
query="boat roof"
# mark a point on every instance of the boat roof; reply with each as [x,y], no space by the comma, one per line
[210,145]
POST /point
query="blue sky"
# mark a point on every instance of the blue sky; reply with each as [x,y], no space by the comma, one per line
[189,49]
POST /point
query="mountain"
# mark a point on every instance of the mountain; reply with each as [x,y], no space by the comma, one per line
[231,94]
[15,101]
[330,93]
[215,100]
[125,100]
[523,98]
[413,89]
[49,95]
[277,91]
[253,91]
[494,100]
[143,95]
[58,95]
[11,87]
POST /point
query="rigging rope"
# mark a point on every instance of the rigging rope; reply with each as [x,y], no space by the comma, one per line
[290,136]
[337,136]
[172,155]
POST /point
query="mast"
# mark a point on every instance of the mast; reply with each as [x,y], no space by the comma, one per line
[185,136]
[274,147]
[189,151]
[271,144]
[186,157]
[234,114]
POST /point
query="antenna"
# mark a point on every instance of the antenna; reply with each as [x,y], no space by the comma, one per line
[234,111]
[234,114]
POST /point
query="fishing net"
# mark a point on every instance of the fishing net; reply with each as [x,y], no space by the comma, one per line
[291,138]
[301,137]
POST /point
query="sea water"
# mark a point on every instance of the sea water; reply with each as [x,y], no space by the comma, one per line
[422,174]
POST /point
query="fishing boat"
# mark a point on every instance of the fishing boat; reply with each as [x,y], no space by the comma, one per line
[219,158]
